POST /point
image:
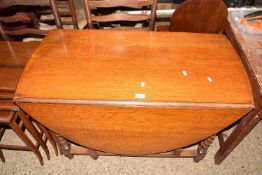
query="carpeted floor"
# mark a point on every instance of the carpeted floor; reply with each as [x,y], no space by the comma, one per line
[246,159]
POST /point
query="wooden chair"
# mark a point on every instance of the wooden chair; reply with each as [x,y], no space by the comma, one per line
[58,14]
[10,116]
[198,16]
[13,58]
[21,22]
[91,5]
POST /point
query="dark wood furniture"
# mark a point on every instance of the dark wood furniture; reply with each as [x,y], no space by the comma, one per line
[21,18]
[7,3]
[248,47]
[57,14]
[19,122]
[137,104]
[120,15]
[198,16]
[14,56]
[19,25]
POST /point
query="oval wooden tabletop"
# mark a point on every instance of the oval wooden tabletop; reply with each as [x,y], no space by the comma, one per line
[77,82]
[135,66]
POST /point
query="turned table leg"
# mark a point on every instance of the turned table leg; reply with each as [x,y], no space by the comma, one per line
[203,147]
[63,145]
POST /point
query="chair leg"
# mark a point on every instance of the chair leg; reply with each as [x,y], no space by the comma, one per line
[32,130]
[73,13]
[49,137]
[58,21]
[26,140]
[2,130]
[2,156]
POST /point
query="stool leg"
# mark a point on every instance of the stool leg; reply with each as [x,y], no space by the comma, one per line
[26,140]
[49,137]
[2,156]
[32,130]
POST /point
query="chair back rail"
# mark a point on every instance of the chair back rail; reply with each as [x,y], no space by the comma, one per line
[117,3]
[58,13]
[120,15]
[19,24]
[20,16]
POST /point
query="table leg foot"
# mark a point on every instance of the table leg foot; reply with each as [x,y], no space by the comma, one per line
[64,146]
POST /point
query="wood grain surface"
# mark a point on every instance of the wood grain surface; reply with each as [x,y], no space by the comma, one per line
[120,65]
[132,130]
[120,15]
[13,58]
[199,16]
[134,93]
[9,78]
[16,53]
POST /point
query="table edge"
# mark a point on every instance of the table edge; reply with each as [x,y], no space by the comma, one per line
[129,103]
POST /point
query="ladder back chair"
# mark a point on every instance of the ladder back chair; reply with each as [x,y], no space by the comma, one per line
[198,16]
[19,22]
[10,116]
[13,58]
[120,15]
[58,13]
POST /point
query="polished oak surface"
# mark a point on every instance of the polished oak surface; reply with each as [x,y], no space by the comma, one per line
[16,54]
[119,66]
[134,93]
[13,58]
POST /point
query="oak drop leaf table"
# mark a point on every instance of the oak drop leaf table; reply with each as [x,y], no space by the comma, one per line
[134,93]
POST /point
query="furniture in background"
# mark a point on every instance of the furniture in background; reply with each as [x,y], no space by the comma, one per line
[198,16]
[22,19]
[58,14]
[14,56]
[240,3]
[19,22]
[147,104]
[248,46]
[18,121]
[93,14]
